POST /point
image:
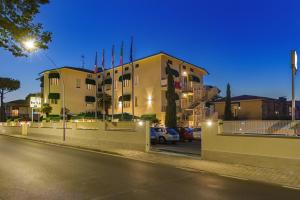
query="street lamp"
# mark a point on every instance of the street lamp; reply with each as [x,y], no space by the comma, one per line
[30,45]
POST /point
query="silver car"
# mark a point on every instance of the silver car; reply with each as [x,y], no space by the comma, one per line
[164,135]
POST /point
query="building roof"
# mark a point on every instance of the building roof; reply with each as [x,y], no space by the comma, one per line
[68,67]
[155,54]
[18,102]
[244,98]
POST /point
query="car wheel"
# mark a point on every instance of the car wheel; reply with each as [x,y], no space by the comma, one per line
[161,140]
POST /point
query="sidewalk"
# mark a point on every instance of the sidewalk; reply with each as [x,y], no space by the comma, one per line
[195,164]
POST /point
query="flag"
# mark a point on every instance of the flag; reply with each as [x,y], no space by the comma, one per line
[131,57]
[121,54]
[132,81]
[113,81]
[96,63]
[102,61]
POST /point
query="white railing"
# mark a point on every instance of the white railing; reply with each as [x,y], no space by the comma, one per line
[262,127]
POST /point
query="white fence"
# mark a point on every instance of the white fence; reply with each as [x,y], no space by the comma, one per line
[262,127]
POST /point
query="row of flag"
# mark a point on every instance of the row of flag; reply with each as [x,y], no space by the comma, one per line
[96,70]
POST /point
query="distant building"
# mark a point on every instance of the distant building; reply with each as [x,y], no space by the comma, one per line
[249,107]
[150,85]
[18,109]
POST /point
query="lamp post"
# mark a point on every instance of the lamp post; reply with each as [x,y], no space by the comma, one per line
[294,69]
[30,46]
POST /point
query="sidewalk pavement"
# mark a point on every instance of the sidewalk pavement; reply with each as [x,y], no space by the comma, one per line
[194,164]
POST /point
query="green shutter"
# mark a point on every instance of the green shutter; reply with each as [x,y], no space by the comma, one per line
[126,97]
[125,77]
[90,99]
[194,78]
[90,81]
[54,75]
[53,96]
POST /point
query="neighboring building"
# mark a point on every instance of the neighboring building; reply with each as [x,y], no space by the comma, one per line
[150,85]
[248,107]
[17,109]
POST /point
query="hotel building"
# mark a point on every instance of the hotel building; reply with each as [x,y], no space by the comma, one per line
[150,85]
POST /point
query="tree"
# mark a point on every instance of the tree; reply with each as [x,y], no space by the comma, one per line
[107,101]
[16,25]
[227,111]
[170,118]
[6,85]
[46,108]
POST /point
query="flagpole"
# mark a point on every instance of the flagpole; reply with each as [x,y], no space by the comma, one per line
[103,84]
[122,80]
[113,83]
[132,81]
[96,72]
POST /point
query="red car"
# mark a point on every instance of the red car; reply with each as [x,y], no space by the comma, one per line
[184,134]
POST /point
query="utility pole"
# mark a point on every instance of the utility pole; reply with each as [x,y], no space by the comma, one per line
[294,69]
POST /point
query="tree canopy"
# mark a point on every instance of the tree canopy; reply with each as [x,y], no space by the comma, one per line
[6,85]
[17,26]
[170,118]
[228,111]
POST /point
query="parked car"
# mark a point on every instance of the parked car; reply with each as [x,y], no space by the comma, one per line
[164,135]
[185,134]
[153,137]
[197,133]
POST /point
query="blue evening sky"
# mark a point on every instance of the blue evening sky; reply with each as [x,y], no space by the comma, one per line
[246,43]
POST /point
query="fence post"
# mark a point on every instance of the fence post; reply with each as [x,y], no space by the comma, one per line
[24,129]
[147,132]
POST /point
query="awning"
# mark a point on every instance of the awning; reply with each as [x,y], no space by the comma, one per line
[194,78]
[108,81]
[53,75]
[53,96]
[90,81]
[173,72]
[90,99]
[126,77]
[126,97]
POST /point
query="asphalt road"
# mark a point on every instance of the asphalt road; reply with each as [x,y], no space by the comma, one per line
[193,148]
[30,170]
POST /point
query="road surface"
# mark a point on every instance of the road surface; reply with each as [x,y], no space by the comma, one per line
[30,170]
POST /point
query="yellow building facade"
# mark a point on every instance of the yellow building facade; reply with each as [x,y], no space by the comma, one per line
[150,85]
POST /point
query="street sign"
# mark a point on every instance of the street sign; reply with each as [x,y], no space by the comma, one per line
[35,102]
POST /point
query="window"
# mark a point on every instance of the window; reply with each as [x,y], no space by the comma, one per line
[116,71]
[90,76]
[192,70]
[53,101]
[137,66]
[116,84]
[126,104]
[108,74]
[126,83]
[78,82]
[136,101]
[170,62]
[184,67]
[99,76]
[54,81]
[136,80]
[89,86]
[126,68]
